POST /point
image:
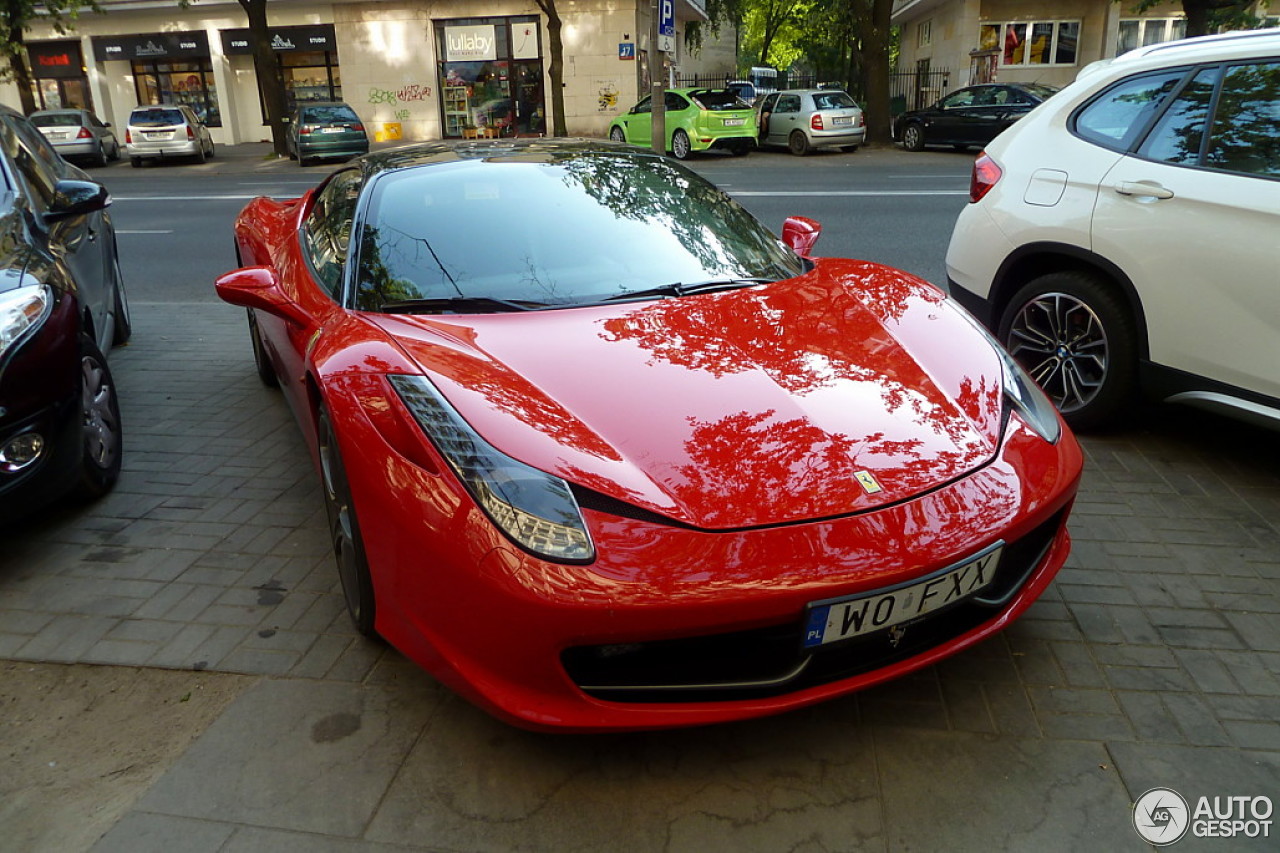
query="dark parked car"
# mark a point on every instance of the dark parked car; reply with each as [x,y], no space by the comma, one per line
[62,306]
[970,116]
[78,134]
[326,129]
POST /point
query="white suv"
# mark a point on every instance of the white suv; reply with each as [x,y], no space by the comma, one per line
[1125,235]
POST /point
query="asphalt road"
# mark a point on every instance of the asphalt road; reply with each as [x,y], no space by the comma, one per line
[174,220]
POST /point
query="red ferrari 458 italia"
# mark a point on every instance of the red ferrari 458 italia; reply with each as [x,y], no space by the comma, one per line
[600,452]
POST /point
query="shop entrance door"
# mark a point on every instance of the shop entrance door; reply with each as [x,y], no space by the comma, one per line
[531,113]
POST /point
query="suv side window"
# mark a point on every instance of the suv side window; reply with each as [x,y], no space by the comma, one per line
[1178,135]
[1115,118]
[326,235]
[1246,127]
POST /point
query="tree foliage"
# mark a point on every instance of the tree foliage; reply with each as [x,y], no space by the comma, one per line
[16,18]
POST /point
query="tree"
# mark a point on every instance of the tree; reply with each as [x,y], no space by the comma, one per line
[556,48]
[16,17]
[1208,16]
[877,37]
[264,66]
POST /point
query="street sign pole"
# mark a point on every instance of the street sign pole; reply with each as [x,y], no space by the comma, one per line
[657,91]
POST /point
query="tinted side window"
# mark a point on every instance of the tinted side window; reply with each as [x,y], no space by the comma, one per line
[789,104]
[1176,138]
[1246,127]
[644,106]
[674,103]
[327,232]
[1117,117]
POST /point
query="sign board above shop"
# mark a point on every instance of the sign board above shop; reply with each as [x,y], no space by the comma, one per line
[283,39]
[54,59]
[477,43]
[151,46]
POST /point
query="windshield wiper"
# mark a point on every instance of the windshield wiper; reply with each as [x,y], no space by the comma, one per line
[680,288]
[460,305]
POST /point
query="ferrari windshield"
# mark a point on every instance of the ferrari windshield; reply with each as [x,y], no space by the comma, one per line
[555,231]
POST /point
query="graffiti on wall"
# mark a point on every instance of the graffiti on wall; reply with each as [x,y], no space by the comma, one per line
[607,96]
[406,94]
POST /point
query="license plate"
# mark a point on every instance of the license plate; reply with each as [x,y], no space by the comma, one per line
[839,120]
[163,135]
[333,130]
[843,619]
[57,136]
[734,122]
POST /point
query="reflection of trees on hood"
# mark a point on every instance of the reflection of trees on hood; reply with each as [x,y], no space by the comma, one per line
[710,225]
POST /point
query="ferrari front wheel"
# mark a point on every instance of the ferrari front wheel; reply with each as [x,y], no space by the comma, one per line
[344,530]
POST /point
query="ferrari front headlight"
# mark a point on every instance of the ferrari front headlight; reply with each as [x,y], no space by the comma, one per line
[21,310]
[535,509]
[1020,391]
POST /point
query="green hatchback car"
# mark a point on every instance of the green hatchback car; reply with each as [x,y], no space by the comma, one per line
[322,129]
[696,120]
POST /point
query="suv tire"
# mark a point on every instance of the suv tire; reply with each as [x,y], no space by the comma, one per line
[1073,333]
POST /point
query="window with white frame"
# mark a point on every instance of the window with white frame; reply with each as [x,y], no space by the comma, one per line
[924,34]
[1033,42]
[1138,32]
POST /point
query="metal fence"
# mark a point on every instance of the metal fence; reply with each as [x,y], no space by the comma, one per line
[913,90]
[718,81]
[908,90]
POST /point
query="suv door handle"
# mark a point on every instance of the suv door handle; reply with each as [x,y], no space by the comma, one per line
[1143,189]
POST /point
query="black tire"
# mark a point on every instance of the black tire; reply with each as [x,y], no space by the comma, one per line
[101,159]
[261,359]
[124,322]
[740,150]
[913,137]
[798,143]
[1078,339]
[344,530]
[101,441]
[201,155]
[115,151]
[617,134]
[681,148]
[213,149]
[135,162]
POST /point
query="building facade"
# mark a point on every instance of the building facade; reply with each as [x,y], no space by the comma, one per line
[948,44]
[411,70]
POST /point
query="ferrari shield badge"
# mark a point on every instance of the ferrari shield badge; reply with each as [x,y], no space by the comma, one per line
[868,482]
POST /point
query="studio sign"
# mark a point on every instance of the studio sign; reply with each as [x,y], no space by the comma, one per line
[465,44]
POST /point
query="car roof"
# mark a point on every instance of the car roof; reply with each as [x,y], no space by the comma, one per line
[544,150]
[59,111]
[807,91]
[1238,44]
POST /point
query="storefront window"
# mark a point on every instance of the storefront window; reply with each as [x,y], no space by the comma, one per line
[189,83]
[491,77]
[310,76]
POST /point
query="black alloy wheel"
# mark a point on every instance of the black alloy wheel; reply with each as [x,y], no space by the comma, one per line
[344,530]
[261,358]
[101,437]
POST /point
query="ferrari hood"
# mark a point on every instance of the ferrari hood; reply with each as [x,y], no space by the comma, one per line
[848,388]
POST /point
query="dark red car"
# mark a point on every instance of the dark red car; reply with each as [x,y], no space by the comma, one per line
[601,452]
